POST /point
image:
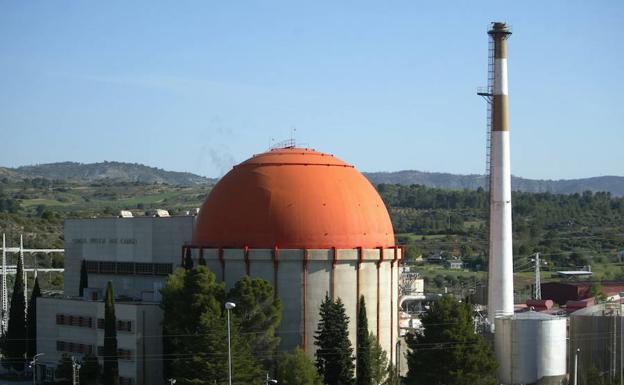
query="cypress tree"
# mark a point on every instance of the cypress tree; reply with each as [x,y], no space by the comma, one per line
[15,346]
[202,260]
[84,278]
[363,348]
[32,320]
[334,355]
[188,260]
[110,375]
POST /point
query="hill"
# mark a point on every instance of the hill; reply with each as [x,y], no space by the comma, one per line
[612,184]
[112,171]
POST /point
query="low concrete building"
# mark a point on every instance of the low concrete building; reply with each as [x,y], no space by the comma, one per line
[76,327]
[136,255]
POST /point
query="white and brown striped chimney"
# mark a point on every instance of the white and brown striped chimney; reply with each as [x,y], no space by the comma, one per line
[500,278]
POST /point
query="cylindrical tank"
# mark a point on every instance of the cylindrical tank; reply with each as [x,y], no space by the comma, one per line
[530,347]
[311,225]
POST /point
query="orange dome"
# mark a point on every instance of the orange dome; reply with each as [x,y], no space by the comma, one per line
[293,198]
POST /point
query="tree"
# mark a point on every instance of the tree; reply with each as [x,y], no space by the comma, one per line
[594,377]
[260,314]
[31,320]
[449,352]
[64,370]
[15,346]
[188,259]
[334,354]
[90,370]
[202,260]
[363,347]
[84,278]
[110,374]
[297,369]
[195,327]
[378,361]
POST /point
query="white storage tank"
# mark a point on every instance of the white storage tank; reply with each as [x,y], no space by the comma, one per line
[530,347]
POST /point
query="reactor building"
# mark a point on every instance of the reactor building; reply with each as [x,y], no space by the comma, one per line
[311,225]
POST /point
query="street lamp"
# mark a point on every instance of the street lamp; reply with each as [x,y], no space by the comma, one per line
[33,365]
[229,306]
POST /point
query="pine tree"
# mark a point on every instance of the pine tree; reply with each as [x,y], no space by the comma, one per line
[334,354]
[31,320]
[110,375]
[84,278]
[15,345]
[297,369]
[449,352]
[363,348]
[260,313]
[196,325]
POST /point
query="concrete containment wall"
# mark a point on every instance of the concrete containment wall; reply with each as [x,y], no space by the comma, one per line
[302,278]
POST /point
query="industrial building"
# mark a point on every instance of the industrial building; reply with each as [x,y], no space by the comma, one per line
[136,255]
[596,342]
[305,221]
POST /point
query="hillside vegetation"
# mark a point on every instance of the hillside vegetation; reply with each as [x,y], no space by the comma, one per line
[103,171]
[569,231]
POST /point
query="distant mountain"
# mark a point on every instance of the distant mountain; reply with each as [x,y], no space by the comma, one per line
[113,171]
[612,184]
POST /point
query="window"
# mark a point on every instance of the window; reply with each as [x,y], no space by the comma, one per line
[92,266]
[107,267]
[122,354]
[74,320]
[125,268]
[126,381]
[122,325]
[73,347]
[145,268]
[163,268]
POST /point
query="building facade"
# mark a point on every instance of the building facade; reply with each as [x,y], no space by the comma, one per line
[136,255]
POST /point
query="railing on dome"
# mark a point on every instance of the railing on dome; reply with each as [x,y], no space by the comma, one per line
[288,143]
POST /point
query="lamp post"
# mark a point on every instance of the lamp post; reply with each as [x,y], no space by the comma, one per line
[33,365]
[229,306]
[576,353]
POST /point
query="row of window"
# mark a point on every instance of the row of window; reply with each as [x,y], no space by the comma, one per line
[74,347]
[87,322]
[122,354]
[73,320]
[128,268]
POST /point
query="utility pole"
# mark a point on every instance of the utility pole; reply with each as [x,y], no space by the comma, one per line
[538,282]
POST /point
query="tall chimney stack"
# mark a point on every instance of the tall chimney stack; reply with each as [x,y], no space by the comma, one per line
[500,278]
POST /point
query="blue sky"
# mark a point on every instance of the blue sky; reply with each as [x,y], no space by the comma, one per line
[200,86]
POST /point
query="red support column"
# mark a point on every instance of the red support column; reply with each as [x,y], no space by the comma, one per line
[333,273]
[304,281]
[222,261]
[275,269]
[246,256]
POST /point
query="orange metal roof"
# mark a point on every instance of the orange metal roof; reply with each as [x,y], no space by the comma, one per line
[293,198]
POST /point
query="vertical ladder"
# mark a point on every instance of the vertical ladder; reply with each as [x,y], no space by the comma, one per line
[5,299]
[490,112]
